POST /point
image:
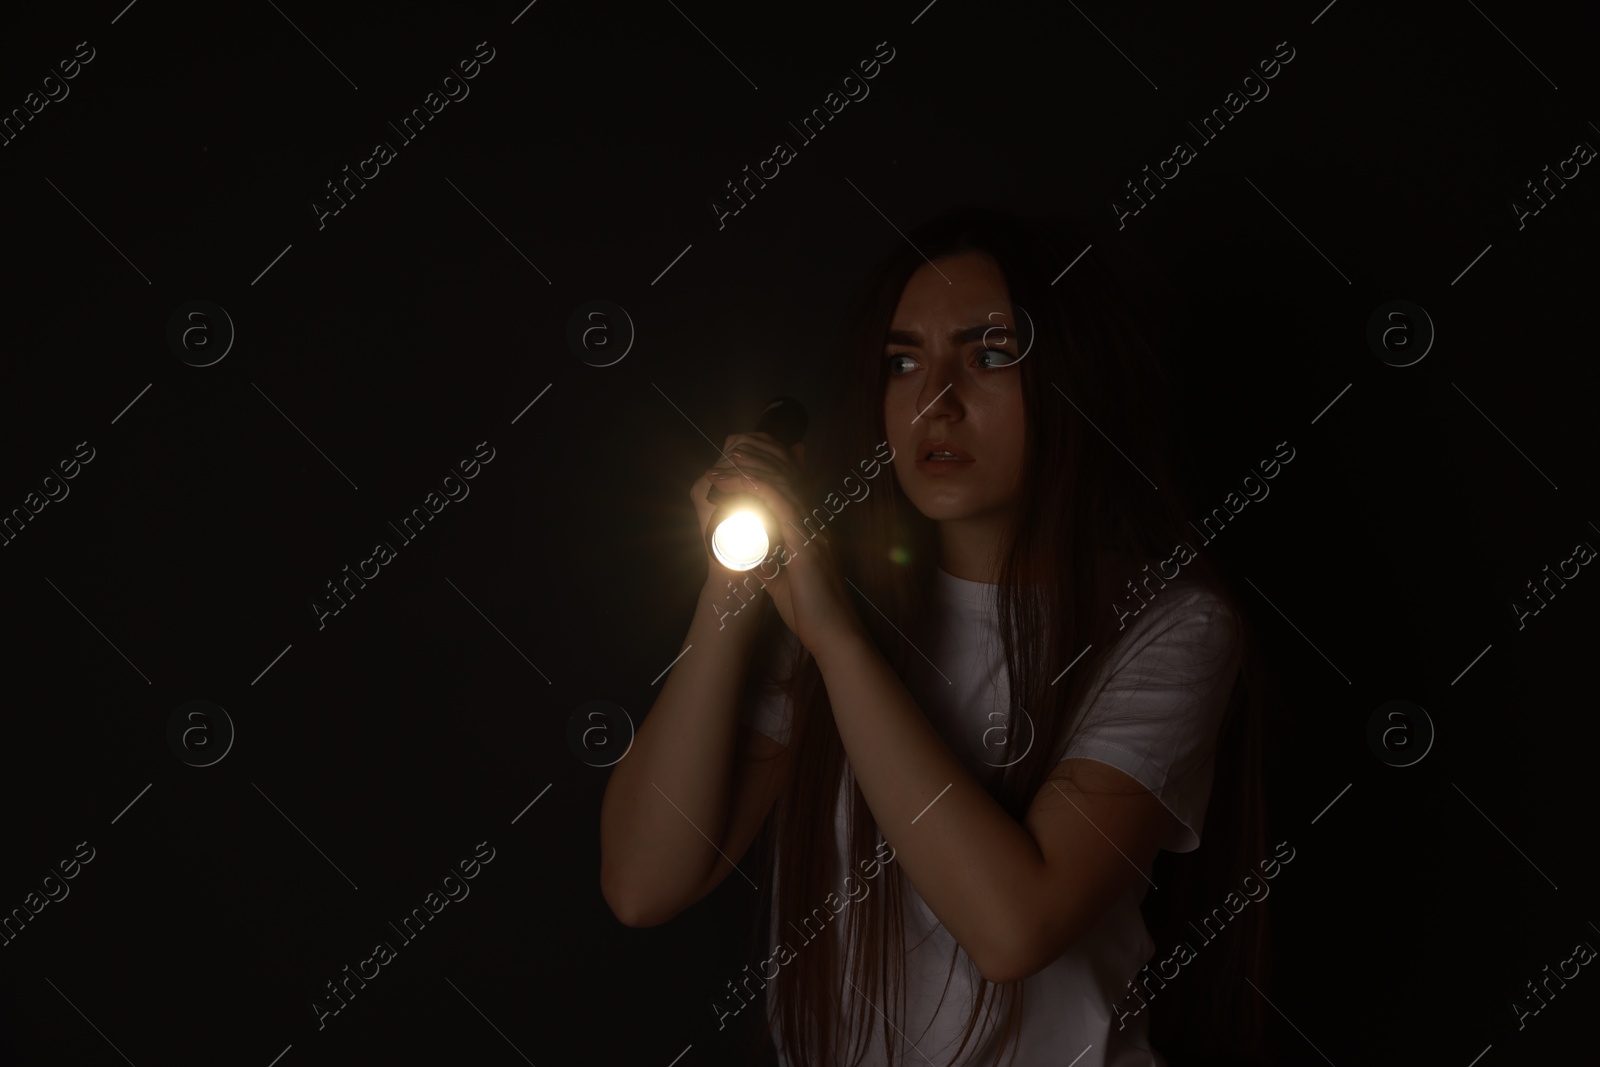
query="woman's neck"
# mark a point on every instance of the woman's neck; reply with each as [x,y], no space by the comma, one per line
[969,548]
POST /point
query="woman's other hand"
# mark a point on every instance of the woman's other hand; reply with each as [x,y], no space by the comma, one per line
[801,576]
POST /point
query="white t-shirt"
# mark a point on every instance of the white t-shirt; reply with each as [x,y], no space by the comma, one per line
[1174,663]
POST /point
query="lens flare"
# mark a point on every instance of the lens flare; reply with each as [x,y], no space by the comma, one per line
[740,541]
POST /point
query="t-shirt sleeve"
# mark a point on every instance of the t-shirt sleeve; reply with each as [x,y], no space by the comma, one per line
[767,707]
[1164,693]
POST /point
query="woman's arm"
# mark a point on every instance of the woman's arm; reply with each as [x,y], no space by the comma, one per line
[1013,895]
[666,810]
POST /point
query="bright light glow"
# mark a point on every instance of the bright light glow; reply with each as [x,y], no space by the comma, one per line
[740,541]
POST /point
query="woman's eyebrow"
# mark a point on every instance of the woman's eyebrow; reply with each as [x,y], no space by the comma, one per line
[961,336]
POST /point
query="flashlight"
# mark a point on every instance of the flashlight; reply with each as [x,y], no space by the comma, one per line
[742,530]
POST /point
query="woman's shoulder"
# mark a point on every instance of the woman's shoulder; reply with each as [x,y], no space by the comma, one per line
[1147,601]
[1116,569]
[1187,620]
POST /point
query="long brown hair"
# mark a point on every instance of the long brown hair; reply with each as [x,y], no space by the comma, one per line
[1088,518]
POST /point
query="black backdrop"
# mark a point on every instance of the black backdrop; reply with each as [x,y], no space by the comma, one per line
[373,351]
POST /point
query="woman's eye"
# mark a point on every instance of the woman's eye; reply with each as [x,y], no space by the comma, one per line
[1006,358]
[893,364]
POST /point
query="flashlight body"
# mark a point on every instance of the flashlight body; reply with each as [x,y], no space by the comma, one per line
[785,419]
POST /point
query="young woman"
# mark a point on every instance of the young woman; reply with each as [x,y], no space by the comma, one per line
[997,679]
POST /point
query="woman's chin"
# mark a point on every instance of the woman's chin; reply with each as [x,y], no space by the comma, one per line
[943,507]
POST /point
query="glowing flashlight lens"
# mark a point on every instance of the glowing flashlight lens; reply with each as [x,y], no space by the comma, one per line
[740,541]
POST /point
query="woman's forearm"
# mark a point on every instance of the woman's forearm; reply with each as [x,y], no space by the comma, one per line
[970,860]
[668,800]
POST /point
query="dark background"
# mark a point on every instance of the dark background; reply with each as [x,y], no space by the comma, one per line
[407,330]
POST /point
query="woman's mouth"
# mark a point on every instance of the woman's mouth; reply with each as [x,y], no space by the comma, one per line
[940,458]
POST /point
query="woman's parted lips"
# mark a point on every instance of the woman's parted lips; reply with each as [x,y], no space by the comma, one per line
[929,445]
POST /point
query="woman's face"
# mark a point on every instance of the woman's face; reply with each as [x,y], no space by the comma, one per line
[954,383]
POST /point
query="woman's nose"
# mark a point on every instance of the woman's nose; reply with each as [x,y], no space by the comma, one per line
[940,394]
